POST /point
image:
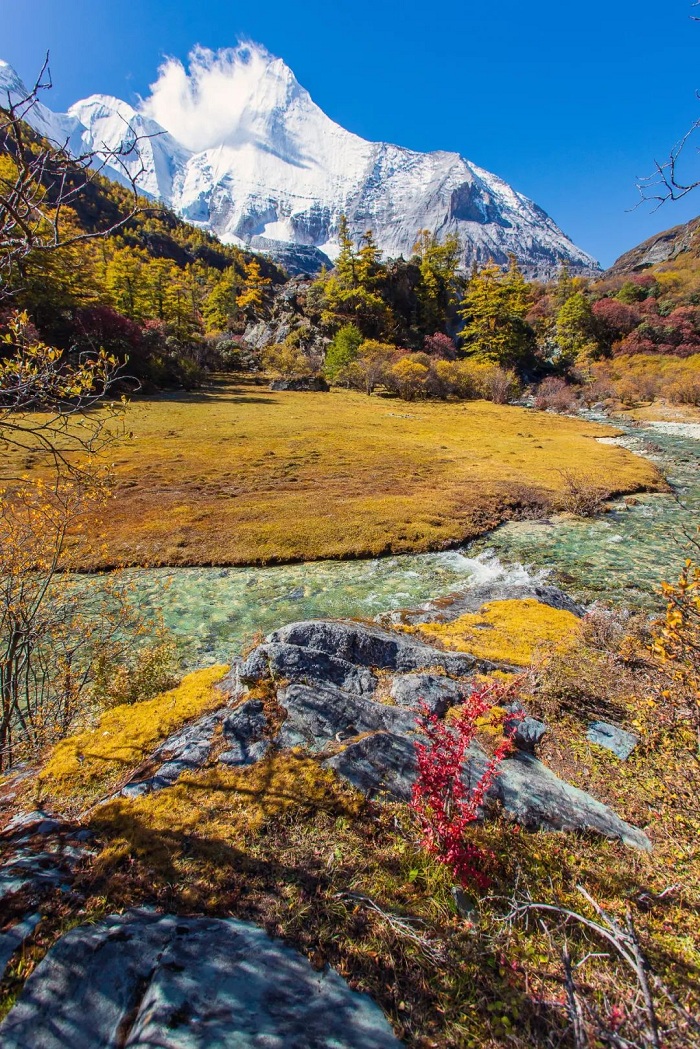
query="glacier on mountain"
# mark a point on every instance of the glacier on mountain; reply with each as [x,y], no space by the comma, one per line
[235,144]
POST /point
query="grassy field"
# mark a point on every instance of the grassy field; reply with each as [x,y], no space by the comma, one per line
[238,475]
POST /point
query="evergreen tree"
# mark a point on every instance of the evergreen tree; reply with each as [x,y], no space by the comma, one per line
[367,267]
[343,350]
[439,285]
[494,309]
[345,266]
[575,333]
[565,286]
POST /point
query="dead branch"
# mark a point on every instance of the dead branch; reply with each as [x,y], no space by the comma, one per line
[402,926]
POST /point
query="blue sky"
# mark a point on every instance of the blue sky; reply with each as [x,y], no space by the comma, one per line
[567,102]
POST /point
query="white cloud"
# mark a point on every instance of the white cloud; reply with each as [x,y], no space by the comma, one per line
[224,98]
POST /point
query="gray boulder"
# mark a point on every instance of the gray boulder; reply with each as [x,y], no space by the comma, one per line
[319,716]
[613,738]
[385,764]
[307,665]
[528,734]
[301,384]
[163,982]
[244,730]
[535,797]
[437,693]
[382,765]
[372,646]
[13,939]
[186,750]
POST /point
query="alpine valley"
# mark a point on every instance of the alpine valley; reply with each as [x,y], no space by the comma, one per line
[236,145]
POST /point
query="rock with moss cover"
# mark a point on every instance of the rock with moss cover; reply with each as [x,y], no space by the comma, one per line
[143,979]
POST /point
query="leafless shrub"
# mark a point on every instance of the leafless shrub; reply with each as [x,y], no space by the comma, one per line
[556,395]
[580,495]
[644,1012]
[41,181]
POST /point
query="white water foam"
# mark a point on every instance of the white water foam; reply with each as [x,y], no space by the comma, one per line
[486,568]
[678,429]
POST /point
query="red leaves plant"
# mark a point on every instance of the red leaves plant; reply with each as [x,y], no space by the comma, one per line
[444,804]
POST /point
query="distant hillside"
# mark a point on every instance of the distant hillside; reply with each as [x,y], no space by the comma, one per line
[663,247]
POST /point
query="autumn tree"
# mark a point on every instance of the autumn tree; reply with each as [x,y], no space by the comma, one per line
[251,298]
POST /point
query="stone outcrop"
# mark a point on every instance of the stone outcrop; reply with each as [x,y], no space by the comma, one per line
[325,676]
[148,980]
[301,384]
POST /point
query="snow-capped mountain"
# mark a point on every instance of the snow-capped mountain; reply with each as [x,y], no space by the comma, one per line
[234,143]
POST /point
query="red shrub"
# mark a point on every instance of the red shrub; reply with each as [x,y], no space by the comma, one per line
[439,345]
[442,801]
[615,318]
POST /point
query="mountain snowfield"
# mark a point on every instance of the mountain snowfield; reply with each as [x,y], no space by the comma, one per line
[235,144]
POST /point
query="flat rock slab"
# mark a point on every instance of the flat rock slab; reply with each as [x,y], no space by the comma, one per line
[318,716]
[243,731]
[382,766]
[613,738]
[437,693]
[163,982]
[186,750]
[12,939]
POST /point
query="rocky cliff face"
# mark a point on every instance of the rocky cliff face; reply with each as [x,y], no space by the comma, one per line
[237,145]
[662,247]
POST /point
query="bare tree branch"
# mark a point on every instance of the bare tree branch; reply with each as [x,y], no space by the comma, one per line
[39,180]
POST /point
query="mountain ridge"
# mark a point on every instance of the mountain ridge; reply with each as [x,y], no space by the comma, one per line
[235,144]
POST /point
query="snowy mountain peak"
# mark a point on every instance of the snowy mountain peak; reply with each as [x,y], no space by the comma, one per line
[233,142]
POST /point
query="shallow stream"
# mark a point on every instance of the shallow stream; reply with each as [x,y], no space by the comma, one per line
[621,557]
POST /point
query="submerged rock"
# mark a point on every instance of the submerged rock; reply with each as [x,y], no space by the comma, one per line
[446,609]
[150,980]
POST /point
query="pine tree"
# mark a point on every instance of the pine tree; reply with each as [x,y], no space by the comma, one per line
[493,309]
[345,266]
[438,289]
[367,262]
[575,334]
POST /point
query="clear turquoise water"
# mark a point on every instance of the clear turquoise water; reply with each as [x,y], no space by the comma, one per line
[620,557]
[214,611]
